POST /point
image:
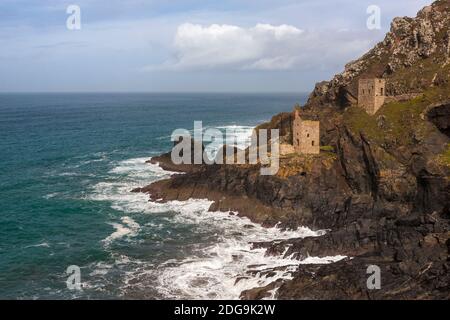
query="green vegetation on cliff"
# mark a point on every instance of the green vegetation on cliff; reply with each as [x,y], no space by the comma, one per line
[445,156]
[396,123]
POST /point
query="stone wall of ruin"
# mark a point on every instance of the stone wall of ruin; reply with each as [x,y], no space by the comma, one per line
[306,137]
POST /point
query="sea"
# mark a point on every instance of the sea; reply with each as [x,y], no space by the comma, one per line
[71,229]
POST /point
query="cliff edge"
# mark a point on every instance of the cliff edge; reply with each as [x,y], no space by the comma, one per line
[381,183]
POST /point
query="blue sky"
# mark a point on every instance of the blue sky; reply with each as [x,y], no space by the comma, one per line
[189,45]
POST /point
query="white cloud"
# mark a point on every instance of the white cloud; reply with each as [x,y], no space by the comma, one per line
[228,46]
[262,47]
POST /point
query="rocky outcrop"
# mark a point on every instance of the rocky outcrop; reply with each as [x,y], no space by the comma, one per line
[440,116]
[379,211]
[419,47]
[283,122]
[347,280]
[382,189]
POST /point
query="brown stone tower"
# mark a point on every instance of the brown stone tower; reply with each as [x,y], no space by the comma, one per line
[371,94]
[306,135]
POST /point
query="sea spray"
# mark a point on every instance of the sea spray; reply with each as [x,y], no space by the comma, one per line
[219,268]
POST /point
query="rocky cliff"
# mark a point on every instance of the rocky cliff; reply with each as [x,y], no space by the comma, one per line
[414,55]
[382,186]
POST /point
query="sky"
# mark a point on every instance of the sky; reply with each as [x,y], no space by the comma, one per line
[185,45]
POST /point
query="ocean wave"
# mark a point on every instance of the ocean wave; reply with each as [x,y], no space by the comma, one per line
[39,245]
[128,228]
[236,135]
[51,195]
[224,269]
[127,175]
[220,268]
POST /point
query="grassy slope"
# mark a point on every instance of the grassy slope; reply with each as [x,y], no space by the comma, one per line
[404,123]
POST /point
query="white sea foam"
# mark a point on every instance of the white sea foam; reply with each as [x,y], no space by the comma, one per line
[129,174]
[231,265]
[233,135]
[68,174]
[238,136]
[42,244]
[100,157]
[220,268]
[99,279]
[51,195]
[128,227]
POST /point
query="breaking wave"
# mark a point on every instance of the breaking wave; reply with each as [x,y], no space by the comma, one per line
[220,264]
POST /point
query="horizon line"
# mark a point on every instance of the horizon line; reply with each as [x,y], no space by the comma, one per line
[154,92]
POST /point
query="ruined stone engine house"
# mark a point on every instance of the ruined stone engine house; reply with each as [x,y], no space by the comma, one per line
[371,94]
[306,135]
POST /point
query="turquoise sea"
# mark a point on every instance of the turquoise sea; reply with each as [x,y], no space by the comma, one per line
[68,162]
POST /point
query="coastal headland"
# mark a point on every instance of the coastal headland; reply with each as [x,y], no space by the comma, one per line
[380,184]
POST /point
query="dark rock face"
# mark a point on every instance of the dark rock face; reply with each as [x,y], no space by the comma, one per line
[440,116]
[392,214]
[347,280]
[419,44]
[283,122]
[383,193]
